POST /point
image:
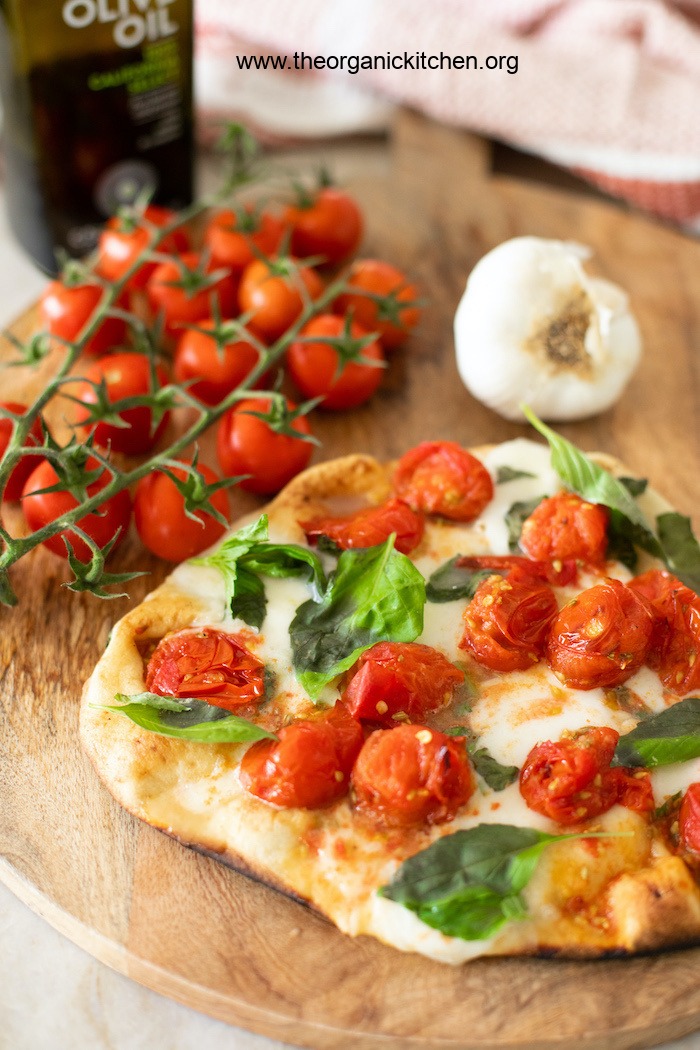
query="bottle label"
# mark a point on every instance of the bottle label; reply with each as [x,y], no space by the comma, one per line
[134,21]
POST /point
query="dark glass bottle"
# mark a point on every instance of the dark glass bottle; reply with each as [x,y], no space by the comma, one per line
[97,98]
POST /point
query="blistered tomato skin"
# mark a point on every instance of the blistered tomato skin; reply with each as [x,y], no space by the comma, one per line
[442,478]
[309,765]
[206,665]
[601,638]
[507,621]
[411,775]
[370,526]
[571,781]
[396,681]
[689,819]
[564,527]
[674,650]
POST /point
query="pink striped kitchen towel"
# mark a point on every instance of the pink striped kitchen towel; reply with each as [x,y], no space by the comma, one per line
[607,88]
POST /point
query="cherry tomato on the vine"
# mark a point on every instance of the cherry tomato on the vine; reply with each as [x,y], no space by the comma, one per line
[571,780]
[507,621]
[396,681]
[65,310]
[246,444]
[123,375]
[601,637]
[41,508]
[161,521]
[381,299]
[215,369]
[441,477]
[346,374]
[309,766]
[566,526]
[273,293]
[186,289]
[370,526]
[689,819]
[235,239]
[125,238]
[326,223]
[674,650]
[207,665]
[25,466]
[411,775]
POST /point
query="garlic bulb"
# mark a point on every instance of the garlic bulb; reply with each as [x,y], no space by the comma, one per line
[533,327]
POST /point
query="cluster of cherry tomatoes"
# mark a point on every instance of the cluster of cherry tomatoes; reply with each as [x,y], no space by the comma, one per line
[255,265]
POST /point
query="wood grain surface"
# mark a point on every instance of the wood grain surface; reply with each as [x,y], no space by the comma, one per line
[188,927]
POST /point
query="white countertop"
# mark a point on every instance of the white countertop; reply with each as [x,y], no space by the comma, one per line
[53,995]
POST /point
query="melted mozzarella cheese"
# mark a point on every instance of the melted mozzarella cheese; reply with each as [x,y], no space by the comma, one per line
[510,715]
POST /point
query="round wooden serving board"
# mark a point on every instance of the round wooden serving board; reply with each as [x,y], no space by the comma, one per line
[190,928]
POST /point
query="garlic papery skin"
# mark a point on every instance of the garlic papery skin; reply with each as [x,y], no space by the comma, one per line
[533,327]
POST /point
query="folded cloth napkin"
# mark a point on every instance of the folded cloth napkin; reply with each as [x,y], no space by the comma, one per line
[607,88]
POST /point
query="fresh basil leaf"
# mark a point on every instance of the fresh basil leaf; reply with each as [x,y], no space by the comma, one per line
[452,581]
[515,518]
[497,776]
[505,474]
[327,545]
[282,560]
[580,474]
[227,556]
[620,545]
[246,555]
[187,719]
[249,602]
[664,739]
[671,805]
[681,550]
[375,594]
[468,884]
[635,486]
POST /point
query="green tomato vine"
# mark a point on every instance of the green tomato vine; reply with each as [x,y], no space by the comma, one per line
[245,168]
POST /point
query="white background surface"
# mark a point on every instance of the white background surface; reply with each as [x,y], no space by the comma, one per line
[53,995]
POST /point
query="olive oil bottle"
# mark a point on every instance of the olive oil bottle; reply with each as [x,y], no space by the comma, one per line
[97,111]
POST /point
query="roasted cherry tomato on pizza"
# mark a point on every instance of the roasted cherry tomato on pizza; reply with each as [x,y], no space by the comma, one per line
[382,300]
[411,775]
[309,765]
[571,781]
[249,445]
[25,466]
[400,681]
[689,819]
[370,526]
[161,518]
[337,360]
[120,376]
[108,522]
[235,239]
[557,573]
[66,309]
[601,637]
[507,621]
[209,665]
[272,294]
[212,370]
[565,527]
[126,237]
[674,649]
[441,477]
[187,289]
[326,223]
